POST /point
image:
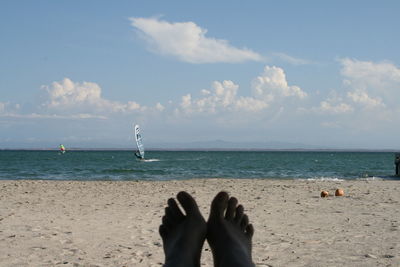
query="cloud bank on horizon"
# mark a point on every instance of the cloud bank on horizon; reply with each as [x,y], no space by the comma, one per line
[368,88]
[366,101]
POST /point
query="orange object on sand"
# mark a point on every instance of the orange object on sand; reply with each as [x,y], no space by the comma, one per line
[324,193]
[339,192]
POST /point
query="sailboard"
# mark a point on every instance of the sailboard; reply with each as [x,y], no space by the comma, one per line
[62,149]
[139,143]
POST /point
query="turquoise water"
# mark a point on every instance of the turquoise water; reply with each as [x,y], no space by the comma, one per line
[166,165]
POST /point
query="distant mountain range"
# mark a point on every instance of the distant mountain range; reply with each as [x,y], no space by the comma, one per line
[221,144]
[200,145]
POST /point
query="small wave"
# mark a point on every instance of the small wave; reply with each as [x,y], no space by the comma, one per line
[151,160]
[371,178]
[336,179]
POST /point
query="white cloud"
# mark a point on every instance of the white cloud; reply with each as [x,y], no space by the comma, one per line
[85,96]
[56,116]
[188,42]
[69,97]
[334,105]
[223,97]
[159,107]
[366,104]
[361,97]
[272,85]
[371,84]
[339,108]
[268,89]
[250,104]
[369,73]
[371,90]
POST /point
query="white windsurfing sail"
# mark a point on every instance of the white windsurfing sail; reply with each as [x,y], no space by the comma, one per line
[139,142]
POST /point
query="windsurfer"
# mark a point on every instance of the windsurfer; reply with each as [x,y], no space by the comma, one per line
[140,150]
[137,154]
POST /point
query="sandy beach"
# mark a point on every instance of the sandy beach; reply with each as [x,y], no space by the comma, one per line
[74,223]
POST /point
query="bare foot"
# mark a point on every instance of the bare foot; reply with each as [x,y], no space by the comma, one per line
[229,233]
[183,235]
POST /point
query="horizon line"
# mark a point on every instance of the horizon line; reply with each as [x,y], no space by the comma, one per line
[238,149]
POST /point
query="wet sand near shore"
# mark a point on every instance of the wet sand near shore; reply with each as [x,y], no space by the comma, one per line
[102,223]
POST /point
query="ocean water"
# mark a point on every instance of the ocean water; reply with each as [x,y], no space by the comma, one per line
[167,165]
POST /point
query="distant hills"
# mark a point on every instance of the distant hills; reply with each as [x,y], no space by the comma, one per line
[225,145]
[199,145]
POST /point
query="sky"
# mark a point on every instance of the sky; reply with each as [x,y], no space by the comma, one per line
[316,73]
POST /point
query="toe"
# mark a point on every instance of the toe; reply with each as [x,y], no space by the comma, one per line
[174,211]
[230,211]
[163,231]
[170,215]
[244,222]
[166,222]
[239,214]
[249,231]
[219,205]
[188,203]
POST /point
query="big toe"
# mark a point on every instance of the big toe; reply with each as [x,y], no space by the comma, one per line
[188,203]
[219,205]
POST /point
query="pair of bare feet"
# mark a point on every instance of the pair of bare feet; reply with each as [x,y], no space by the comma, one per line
[227,231]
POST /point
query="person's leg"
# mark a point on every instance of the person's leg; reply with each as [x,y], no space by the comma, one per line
[229,233]
[183,235]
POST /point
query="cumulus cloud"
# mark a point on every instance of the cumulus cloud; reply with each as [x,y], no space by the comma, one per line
[67,99]
[188,42]
[223,97]
[159,107]
[268,89]
[371,84]
[361,97]
[71,97]
[272,84]
[85,96]
[367,73]
[340,108]
[56,116]
[369,88]
[334,104]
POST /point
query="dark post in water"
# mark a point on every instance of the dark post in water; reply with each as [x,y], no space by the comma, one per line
[397,163]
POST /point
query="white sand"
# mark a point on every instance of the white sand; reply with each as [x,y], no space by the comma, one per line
[68,223]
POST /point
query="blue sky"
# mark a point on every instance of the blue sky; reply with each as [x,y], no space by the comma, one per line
[312,72]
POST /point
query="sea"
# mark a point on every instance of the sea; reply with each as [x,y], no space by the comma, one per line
[113,165]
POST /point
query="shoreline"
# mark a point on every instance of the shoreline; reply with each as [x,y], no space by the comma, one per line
[115,223]
[238,149]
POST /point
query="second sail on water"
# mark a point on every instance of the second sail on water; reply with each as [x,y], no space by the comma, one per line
[139,143]
[62,149]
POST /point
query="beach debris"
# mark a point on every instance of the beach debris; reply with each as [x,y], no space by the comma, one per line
[324,193]
[339,192]
[371,256]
